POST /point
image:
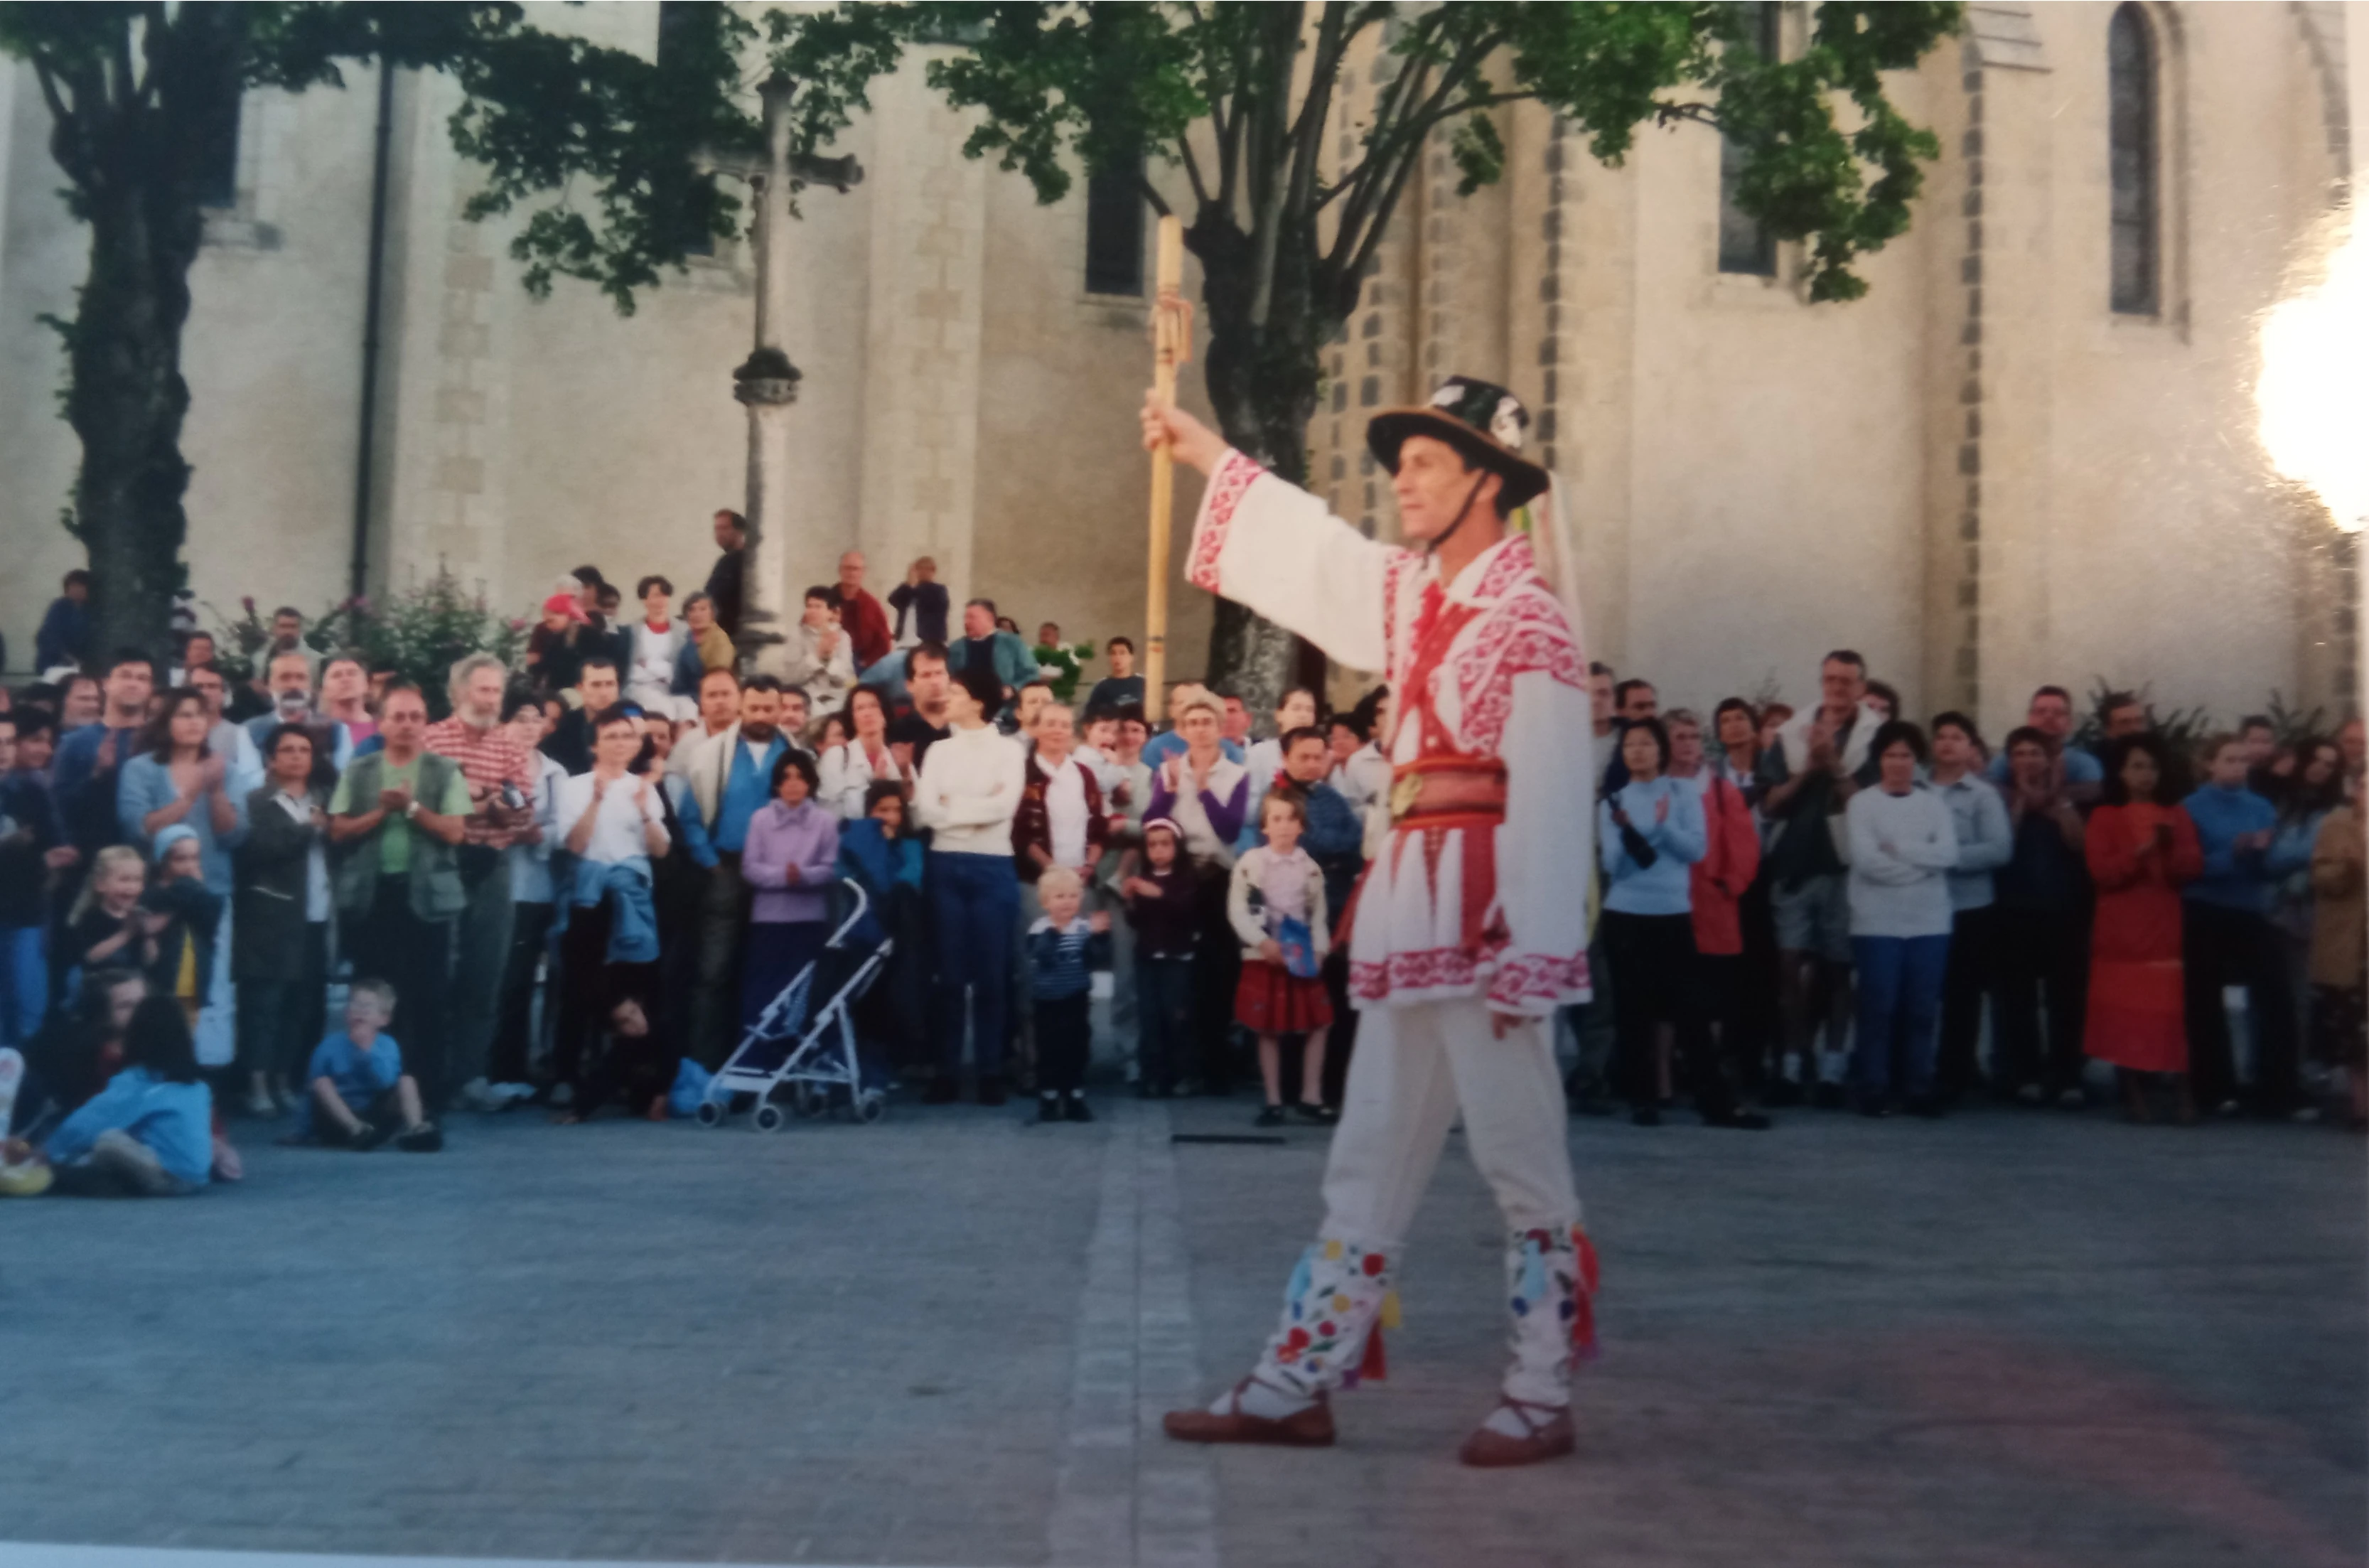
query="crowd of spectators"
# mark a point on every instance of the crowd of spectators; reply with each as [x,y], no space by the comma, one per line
[1822,907]
[297,901]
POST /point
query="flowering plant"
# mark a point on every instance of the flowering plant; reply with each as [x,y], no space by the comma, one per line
[1061,665]
[421,631]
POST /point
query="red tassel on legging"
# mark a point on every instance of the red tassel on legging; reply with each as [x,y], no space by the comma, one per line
[1583,1318]
[1373,1367]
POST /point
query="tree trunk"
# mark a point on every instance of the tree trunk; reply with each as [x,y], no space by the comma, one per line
[1262,380]
[126,403]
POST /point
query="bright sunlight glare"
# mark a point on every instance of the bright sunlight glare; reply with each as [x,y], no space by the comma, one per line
[2313,395]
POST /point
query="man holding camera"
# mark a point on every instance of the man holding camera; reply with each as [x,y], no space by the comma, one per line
[501,779]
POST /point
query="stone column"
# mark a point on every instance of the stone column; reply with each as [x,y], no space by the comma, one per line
[439,491]
[924,318]
[766,383]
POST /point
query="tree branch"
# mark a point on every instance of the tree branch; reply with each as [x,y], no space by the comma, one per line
[124,79]
[1267,221]
[1192,172]
[1158,203]
[153,43]
[1307,135]
[1381,223]
[1373,169]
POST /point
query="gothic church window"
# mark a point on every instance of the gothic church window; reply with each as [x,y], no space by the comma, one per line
[217,174]
[1746,244]
[686,216]
[2134,162]
[1114,231]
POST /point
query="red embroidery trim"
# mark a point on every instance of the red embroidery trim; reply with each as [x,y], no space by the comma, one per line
[1227,485]
[1526,976]
[1539,977]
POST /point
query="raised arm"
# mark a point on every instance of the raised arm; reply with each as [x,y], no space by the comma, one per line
[1264,542]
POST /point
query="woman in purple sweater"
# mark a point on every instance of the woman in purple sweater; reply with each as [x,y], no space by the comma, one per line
[788,861]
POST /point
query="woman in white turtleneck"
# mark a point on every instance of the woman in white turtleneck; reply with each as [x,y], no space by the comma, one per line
[1903,844]
[970,789]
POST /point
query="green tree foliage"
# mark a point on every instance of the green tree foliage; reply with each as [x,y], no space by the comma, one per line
[1245,100]
[593,151]
[600,144]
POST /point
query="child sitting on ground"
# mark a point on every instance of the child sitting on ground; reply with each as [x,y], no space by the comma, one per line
[1160,907]
[356,1092]
[1276,906]
[150,1132]
[1063,947]
[636,1066]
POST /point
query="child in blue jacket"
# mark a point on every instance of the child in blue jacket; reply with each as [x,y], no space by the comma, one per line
[150,1132]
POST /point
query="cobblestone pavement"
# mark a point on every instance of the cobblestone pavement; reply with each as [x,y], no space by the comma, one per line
[2025,1339]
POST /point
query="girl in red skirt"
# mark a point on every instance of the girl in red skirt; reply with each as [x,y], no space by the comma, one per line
[1276,906]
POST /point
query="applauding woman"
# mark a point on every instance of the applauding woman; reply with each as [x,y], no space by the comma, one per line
[2141,850]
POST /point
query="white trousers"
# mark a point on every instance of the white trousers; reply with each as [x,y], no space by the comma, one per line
[1413,1069]
[1415,1066]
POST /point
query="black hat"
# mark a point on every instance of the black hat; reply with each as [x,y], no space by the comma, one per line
[1480,419]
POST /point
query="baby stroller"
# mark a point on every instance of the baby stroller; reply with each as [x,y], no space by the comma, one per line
[805,1038]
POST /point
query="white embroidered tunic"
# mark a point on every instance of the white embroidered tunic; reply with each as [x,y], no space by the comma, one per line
[1511,685]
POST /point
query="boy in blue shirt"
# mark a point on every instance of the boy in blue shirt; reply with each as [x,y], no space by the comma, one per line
[1064,947]
[356,1092]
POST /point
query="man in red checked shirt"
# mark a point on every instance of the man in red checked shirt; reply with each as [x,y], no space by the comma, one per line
[1470,926]
[499,771]
[863,618]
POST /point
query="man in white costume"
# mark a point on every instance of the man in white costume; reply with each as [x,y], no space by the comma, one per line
[1470,927]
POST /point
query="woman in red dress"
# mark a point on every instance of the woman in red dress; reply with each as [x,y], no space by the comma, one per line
[2140,849]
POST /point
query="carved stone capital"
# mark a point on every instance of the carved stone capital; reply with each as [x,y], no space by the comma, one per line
[766,379]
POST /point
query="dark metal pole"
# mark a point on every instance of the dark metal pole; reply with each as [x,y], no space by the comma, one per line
[359,571]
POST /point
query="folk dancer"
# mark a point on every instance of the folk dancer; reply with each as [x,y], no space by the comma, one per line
[1470,927]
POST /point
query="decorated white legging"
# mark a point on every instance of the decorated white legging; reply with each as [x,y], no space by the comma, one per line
[1414,1067]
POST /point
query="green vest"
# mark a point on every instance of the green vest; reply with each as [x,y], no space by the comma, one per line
[436,891]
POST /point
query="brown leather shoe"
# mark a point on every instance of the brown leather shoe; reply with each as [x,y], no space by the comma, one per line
[1308,1428]
[1550,1436]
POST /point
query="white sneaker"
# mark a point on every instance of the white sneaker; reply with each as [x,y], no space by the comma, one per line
[134,1164]
[514,1093]
[478,1095]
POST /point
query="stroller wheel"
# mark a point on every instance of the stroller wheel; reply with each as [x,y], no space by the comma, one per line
[710,1114]
[870,1107]
[769,1118]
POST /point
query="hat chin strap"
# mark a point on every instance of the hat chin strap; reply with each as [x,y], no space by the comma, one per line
[1461,513]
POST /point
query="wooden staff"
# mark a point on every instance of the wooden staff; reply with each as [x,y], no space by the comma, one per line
[1171,345]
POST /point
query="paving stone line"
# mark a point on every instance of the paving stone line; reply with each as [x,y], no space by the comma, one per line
[1125,1498]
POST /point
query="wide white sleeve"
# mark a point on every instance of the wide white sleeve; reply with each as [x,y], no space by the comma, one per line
[1264,542]
[1546,850]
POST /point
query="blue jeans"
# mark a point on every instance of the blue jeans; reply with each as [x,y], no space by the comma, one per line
[973,904]
[1899,1001]
[24,984]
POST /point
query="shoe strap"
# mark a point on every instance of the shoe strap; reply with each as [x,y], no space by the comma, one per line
[1292,1394]
[1522,1409]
